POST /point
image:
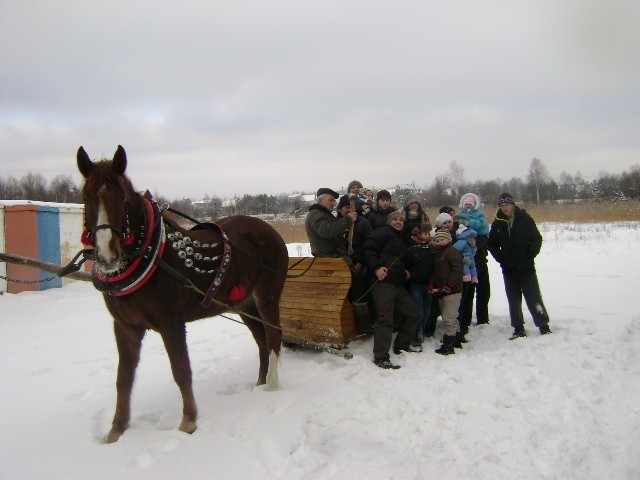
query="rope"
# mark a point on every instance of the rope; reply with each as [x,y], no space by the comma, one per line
[377,280]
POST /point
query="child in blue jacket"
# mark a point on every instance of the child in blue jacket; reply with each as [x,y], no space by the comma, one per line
[466,245]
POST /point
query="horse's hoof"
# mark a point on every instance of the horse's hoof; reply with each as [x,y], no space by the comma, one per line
[188,426]
[113,436]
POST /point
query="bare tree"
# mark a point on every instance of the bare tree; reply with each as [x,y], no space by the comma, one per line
[456,177]
[10,189]
[34,187]
[62,189]
[538,176]
[567,185]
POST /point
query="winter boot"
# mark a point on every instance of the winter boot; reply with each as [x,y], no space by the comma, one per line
[447,345]
[544,330]
[363,320]
[518,332]
[458,340]
[386,364]
[409,349]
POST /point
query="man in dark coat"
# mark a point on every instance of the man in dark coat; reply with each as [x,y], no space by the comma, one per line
[325,231]
[514,242]
[383,253]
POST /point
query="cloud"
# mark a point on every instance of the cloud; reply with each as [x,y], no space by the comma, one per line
[246,97]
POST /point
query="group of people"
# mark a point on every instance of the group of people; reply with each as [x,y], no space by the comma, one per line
[407,273]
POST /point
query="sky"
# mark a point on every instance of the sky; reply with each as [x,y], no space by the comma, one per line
[224,98]
[559,406]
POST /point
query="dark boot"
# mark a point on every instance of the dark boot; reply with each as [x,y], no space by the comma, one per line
[447,345]
[363,319]
[386,364]
[459,340]
[518,332]
[544,330]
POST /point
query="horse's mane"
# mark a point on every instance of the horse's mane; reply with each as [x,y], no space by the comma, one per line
[103,173]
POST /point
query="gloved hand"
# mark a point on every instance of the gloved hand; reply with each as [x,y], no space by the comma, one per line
[471,241]
[467,261]
[447,289]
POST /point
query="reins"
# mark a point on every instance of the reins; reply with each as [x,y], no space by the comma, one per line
[377,279]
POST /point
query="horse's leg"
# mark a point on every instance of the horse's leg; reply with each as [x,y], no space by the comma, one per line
[258,335]
[129,342]
[175,341]
[269,308]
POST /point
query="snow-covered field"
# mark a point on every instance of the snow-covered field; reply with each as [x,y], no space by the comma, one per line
[562,406]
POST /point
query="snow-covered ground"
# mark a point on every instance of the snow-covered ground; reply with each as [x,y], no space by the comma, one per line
[562,406]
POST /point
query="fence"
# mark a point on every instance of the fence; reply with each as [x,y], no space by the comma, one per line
[42,230]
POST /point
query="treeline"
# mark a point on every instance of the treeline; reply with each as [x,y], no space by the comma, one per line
[446,189]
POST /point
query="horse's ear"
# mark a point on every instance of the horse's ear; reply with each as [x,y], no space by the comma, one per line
[120,161]
[85,165]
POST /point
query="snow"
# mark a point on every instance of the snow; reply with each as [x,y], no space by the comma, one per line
[561,406]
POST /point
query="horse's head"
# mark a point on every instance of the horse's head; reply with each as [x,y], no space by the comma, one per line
[112,209]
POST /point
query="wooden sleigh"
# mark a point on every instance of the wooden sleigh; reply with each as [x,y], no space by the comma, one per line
[315,294]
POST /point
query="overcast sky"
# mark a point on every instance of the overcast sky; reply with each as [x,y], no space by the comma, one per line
[232,97]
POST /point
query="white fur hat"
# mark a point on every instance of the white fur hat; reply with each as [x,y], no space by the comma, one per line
[443,217]
[471,199]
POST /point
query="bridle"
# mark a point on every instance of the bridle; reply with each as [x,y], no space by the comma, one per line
[127,237]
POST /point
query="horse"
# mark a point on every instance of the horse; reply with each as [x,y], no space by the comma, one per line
[156,275]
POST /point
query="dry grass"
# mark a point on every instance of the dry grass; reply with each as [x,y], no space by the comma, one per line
[293,231]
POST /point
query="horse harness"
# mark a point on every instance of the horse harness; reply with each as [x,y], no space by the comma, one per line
[150,243]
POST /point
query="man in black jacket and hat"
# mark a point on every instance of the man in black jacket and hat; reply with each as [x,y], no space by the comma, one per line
[383,253]
[514,242]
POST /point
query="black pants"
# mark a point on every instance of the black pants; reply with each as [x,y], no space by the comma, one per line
[519,283]
[466,306]
[393,301]
[482,293]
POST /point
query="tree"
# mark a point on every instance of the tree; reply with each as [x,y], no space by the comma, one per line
[630,182]
[62,189]
[567,186]
[456,177]
[538,176]
[10,189]
[34,187]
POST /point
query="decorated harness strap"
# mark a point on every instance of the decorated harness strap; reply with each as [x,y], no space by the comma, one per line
[222,271]
[140,270]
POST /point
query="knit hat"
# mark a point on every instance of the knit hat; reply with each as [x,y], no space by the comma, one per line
[425,227]
[412,199]
[506,198]
[469,198]
[383,194]
[327,191]
[344,201]
[448,210]
[443,234]
[443,217]
[352,183]
[393,215]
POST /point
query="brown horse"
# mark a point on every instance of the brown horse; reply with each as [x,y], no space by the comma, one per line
[156,275]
